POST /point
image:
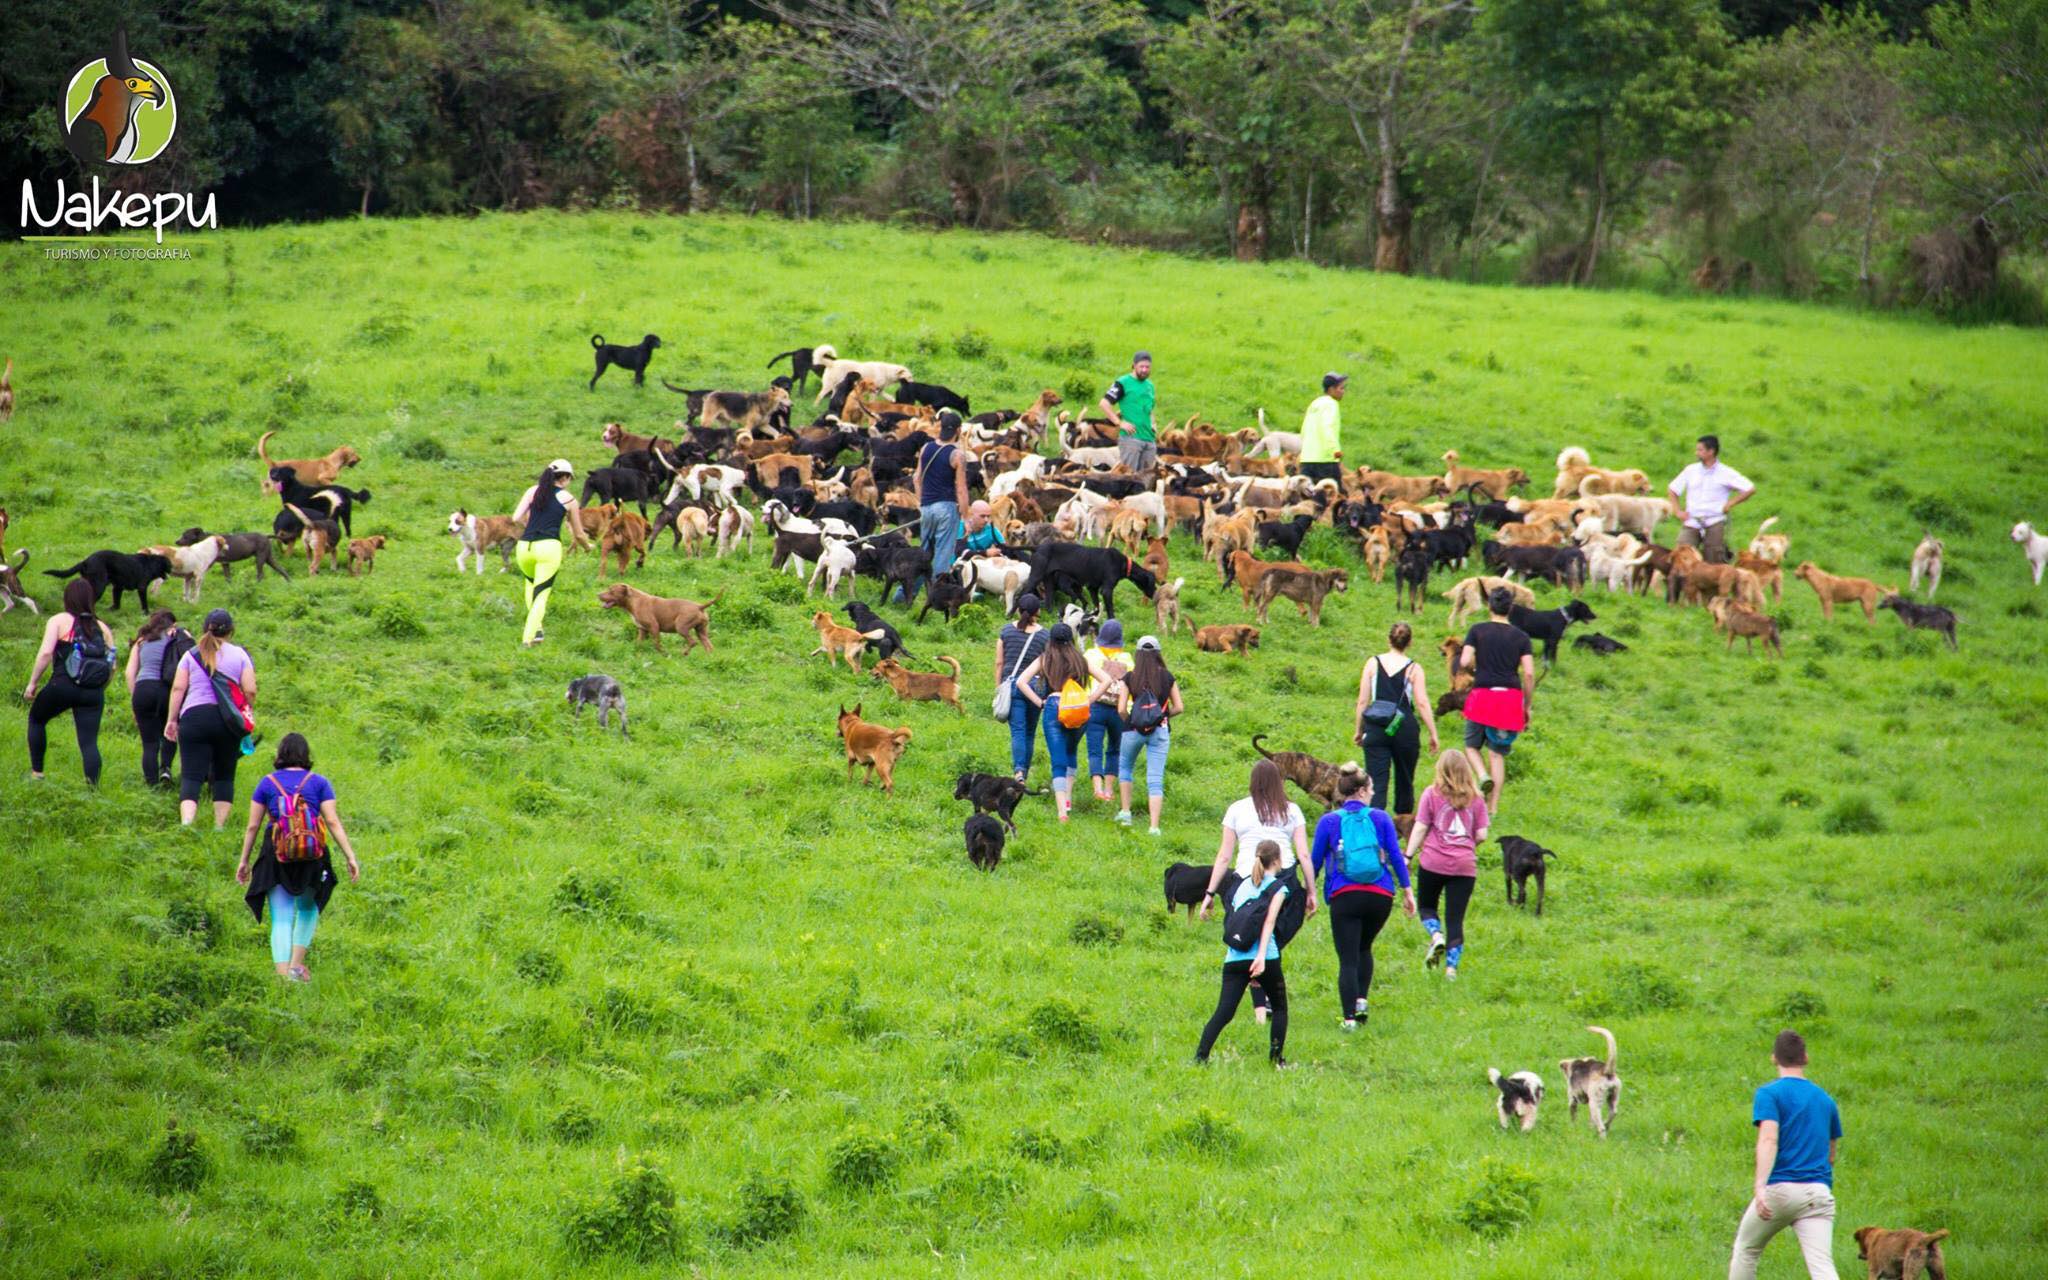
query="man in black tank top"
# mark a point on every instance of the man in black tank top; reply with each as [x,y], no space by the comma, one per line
[941,493]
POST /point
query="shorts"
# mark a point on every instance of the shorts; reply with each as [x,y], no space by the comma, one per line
[1500,741]
[1138,455]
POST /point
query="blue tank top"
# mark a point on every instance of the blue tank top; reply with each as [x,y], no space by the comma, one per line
[544,519]
[937,485]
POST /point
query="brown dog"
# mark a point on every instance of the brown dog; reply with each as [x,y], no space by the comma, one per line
[1768,572]
[922,686]
[1833,590]
[312,472]
[1224,536]
[1317,777]
[1156,559]
[1904,1254]
[1166,607]
[1308,588]
[362,554]
[1736,620]
[1494,484]
[626,531]
[653,615]
[1382,485]
[1378,551]
[1231,637]
[1246,570]
[7,390]
[837,641]
[873,745]
[321,538]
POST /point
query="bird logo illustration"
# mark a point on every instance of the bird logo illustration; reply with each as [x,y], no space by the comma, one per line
[118,110]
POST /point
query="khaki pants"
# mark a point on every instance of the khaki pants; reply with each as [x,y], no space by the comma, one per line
[1712,541]
[1138,455]
[1806,1207]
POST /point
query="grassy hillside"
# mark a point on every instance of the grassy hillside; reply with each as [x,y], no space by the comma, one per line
[580,973]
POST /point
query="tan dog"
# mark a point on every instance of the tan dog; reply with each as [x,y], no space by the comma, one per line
[1308,588]
[1769,546]
[1469,596]
[1224,535]
[653,615]
[1033,419]
[479,534]
[873,745]
[1378,550]
[1594,1083]
[1166,607]
[1494,484]
[1833,590]
[922,686]
[1904,1254]
[841,642]
[1229,637]
[1129,528]
[594,519]
[1927,561]
[768,470]
[322,537]
[1702,582]
[1382,485]
[7,390]
[1768,572]
[1246,569]
[1734,620]
[1553,510]
[1532,533]
[626,531]
[362,554]
[312,472]
[1156,559]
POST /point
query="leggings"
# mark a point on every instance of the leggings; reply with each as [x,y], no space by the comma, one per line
[85,705]
[1155,746]
[1397,755]
[1456,891]
[1060,742]
[1023,723]
[1237,974]
[1105,739]
[1355,922]
[210,750]
[292,921]
[151,703]
[539,562]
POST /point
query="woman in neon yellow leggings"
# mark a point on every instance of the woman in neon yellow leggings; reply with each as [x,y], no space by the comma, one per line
[543,509]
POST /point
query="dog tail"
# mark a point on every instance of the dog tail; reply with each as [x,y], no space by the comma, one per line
[1765,526]
[65,573]
[1258,745]
[1493,1076]
[951,662]
[1573,456]
[787,355]
[263,452]
[715,599]
[596,340]
[1934,1236]
[1450,457]
[901,737]
[1608,1036]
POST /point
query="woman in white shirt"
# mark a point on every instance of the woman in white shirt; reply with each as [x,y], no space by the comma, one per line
[1267,814]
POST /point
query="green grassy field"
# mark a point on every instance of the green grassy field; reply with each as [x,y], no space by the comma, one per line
[579,974]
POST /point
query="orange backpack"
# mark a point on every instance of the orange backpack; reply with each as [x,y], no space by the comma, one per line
[297,835]
[1073,704]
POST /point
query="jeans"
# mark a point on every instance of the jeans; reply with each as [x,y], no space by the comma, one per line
[1155,745]
[1023,723]
[938,527]
[1237,974]
[1355,923]
[1105,739]
[1806,1207]
[1060,742]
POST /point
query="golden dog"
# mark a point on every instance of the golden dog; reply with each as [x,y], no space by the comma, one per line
[362,554]
[312,472]
[922,686]
[835,641]
[1469,596]
[1230,637]
[1495,484]
[1833,590]
[873,745]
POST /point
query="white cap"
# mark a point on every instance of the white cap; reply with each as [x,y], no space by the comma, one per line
[562,465]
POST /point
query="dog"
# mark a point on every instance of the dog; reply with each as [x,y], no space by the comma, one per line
[1087,573]
[1166,607]
[1594,1083]
[803,362]
[993,793]
[11,592]
[922,686]
[946,593]
[688,526]
[311,472]
[1904,1254]
[260,547]
[1316,777]
[190,561]
[1548,625]
[747,410]
[999,574]
[1185,886]
[634,357]
[888,643]
[653,615]
[931,395]
[1833,590]
[621,485]
[1599,644]
[1927,560]
[1769,546]
[1519,860]
[1307,588]
[362,554]
[623,533]
[7,391]
[329,502]
[1735,620]
[1285,534]
[879,372]
[1923,617]
[1377,551]
[1229,637]
[120,570]
[873,745]
[1247,570]
[1495,484]
[1411,575]
[1769,573]
[734,524]
[479,534]
[1520,1095]
[602,692]
[835,641]
[2034,546]
[984,841]
[322,536]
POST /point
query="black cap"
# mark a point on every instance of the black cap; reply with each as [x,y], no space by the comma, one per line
[1062,633]
[1028,603]
[220,622]
[1334,380]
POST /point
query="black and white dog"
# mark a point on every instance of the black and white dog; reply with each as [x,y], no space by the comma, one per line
[602,692]
[634,357]
[867,622]
[1520,1095]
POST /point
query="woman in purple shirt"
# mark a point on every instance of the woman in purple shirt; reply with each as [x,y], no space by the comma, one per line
[210,745]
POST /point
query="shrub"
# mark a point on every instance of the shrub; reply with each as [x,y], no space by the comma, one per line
[635,1219]
[356,1200]
[1091,1213]
[1633,988]
[396,620]
[580,893]
[178,1163]
[1092,929]
[862,1159]
[269,1134]
[781,589]
[541,968]
[1501,1201]
[932,1124]
[1040,1145]
[1708,879]
[1077,351]
[1641,800]
[1206,1131]
[1063,1024]
[1079,389]
[535,798]
[573,1124]
[768,1209]
[1852,815]
[78,1013]
[423,449]
[1764,826]
[1796,1008]
[1797,798]
[973,344]
[185,918]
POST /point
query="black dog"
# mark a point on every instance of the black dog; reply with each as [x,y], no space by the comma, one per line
[1411,574]
[1496,514]
[993,793]
[868,622]
[620,484]
[1520,859]
[984,841]
[1924,617]
[1600,644]
[1087,573]
[602,692]
[331,501]
[861,518]
[1185,885]
[634,358]
[1285,534]
[1565,566]
[260,547]
[800,366]
[946,593]
[122,571]
[1447,547]
[895,566]
[1548,625]
[931,394]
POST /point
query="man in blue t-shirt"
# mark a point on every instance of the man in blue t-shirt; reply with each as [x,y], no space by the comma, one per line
[1798,1132]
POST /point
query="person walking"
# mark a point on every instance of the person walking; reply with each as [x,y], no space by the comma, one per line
[1322,442]
[1443,844]
[1147,699]
[152,662]
[1503,694]
[207,735]
[1393,695]
[1265,813]
[1017,646]
[941,496]
[541,513]
[1108,662]
[1257,962]
[1702,496]
[1128,406]
[1798,1137]
[294,874]
[1057,681]
[78,652]
[1359,859]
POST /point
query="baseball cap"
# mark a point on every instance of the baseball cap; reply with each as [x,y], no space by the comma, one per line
[1149,643]
[1028,603]
[1334,380]
[1111,633]
[562,465]
[1062,633]
[1142,355]
[220,622]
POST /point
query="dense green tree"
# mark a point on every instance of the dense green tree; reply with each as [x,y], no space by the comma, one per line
[1988,87]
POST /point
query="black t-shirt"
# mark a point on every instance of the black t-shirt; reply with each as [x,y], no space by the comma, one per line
[1497,652]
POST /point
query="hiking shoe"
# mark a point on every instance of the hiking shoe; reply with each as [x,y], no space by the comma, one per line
[1348,1025]
[1281,1064]
[299,973]
[1155,831]
[1123,818]
[1450,973]
[1434,951]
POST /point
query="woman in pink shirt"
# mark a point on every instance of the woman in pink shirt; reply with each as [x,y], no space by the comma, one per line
[1450,823]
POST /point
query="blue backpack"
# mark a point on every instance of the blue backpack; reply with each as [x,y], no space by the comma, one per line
[1358,853]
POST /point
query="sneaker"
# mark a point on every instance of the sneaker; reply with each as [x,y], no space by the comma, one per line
[1155,831]
[299,973]
[1281,1064]
[1348,1025]
[1358,1007]
[1450,973]
[1259,1014]
[1434,951]
[1123,818]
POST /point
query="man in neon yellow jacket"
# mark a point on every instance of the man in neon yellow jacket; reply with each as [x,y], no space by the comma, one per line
[1322,447]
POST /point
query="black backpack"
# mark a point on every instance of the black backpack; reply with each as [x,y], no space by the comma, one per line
[1147,712]
[1243,925]
[176,645]
[91,661]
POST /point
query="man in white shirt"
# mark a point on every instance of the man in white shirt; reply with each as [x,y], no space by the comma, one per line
[1703,495]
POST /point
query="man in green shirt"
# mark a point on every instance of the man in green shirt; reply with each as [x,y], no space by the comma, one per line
[1322,447]
[1128,404]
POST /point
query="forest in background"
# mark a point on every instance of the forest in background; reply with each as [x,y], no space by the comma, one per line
[1891,154]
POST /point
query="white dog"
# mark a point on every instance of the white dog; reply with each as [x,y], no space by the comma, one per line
[1031,468]
[1620,513]
[1275,444]
[1927,560]
[479,534]
[836,563]
[994,574]
[2035,546]
[734,523]
[191,563]
[720,482]
[879,372]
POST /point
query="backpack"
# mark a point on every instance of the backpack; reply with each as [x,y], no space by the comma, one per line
[231,703]
[1147,712]
[1359,856]
[1244,923]
[1073,705]
[297,835]
[176,645]
[90,664]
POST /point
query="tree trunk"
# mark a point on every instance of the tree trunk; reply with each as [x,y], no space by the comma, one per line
[1596,225]
[364,210]
[695,193]
[1395,218]
[1248,239]
[1863,276]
